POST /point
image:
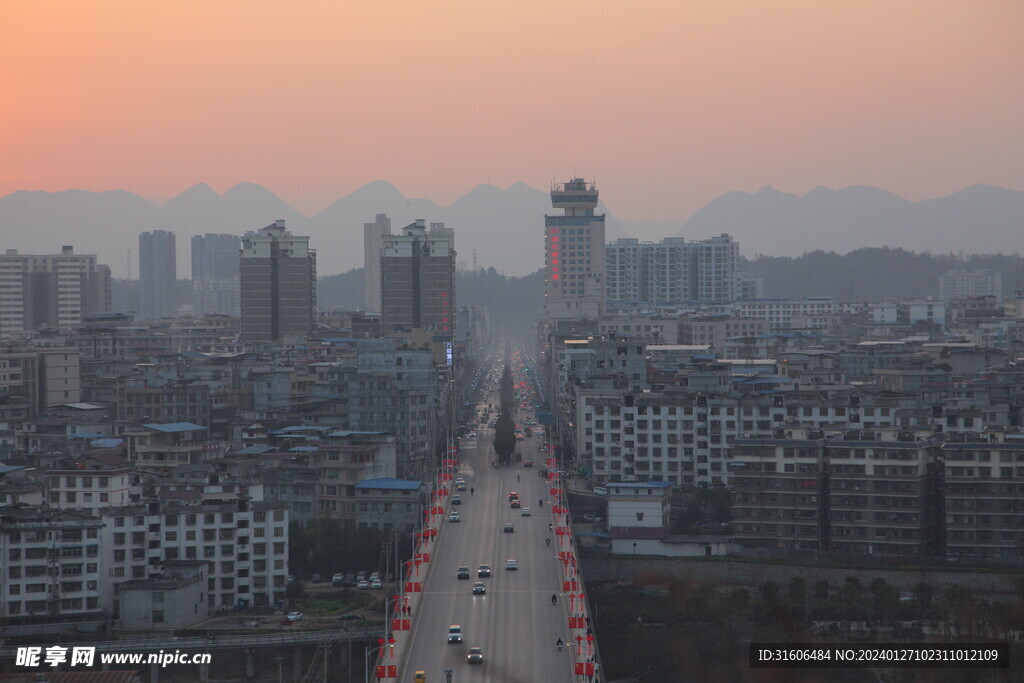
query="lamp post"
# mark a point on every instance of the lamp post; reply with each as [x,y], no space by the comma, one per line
[366,658]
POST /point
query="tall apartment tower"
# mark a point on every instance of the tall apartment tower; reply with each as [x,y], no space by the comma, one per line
[417,279]
[373,242]
[671,271]
[54,290]
[158,274]
[278,276]
[574,260]
[215,274]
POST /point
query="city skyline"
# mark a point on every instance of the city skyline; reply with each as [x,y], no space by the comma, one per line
[690,103]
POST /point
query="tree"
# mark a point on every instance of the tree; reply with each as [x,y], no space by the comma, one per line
[504,430]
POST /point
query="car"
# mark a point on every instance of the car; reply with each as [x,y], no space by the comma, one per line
[364,584]
[376,585]
[472,435]
[375,576]
[479,588]
[338,579]
[475,656]
[462,572]
[600,491]
[513,495]
[483,570]
[348,617]
[294,616]
[361,576]
[316,578]
[511,564]
[460,486]
[527,463]
[509,528]
[454,517]
[456,500]
[525,512]
[454,633]
[515,504]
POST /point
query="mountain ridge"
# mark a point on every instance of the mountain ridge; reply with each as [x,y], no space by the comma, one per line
[504,227]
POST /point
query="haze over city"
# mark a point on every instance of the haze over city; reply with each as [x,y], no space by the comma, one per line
[666,104]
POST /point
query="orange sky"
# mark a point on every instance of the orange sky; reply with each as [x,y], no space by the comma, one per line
[666,103]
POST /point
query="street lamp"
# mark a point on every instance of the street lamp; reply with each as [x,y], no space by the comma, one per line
[366,658]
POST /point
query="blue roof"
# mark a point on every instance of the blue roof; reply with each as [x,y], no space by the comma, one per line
[302,428]
[389,483]
[349,432]
[174,427]
[641,484]
[4,469]
[303,449]
[254,450]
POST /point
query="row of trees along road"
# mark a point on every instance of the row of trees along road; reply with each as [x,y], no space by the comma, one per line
[505,429]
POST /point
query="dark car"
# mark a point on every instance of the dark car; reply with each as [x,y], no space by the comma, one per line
[509,528]
[456,500]
[463,573]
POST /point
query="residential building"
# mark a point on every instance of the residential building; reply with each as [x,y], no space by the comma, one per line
[373,243]
[216,287]
[574,253]
[672,271]
[93,482]
[244,543]
[278,276]
[172,601]
[388,503]
[966,284]
[417,279]
[55,290]
[639,515]
[51,566]
[165,446]
[158,274]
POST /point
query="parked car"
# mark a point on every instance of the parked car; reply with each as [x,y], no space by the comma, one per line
[600,491]
[376,585]
[294,616]
[338,579]
[364,584]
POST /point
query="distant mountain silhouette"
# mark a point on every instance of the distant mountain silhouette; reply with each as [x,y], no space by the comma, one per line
[506,227]
[979,219]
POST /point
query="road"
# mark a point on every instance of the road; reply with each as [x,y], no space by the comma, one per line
[514,622]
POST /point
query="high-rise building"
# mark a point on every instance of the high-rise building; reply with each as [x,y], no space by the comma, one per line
[574,253]
[215,281]
[278,276]
[158,274]
[967,284]
[417,279]
[373,242]
[671,271]
[54,290]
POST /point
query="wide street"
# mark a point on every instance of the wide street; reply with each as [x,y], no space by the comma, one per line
[514,622]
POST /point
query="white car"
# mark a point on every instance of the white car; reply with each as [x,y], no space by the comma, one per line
[454,633]
[454,517]
[294,616]
[376,585]
[511,564]
[364,584]
[525,512]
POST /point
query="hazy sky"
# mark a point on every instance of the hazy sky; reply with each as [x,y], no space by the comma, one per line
[667,104]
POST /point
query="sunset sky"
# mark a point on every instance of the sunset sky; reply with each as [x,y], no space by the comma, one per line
[667,104]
